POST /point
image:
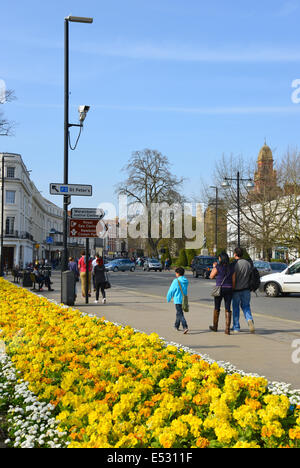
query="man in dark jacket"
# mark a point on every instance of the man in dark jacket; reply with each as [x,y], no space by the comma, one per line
[242,294]
[99,275]
[74,268]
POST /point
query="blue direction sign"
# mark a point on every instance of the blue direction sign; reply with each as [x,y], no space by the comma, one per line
[71,189]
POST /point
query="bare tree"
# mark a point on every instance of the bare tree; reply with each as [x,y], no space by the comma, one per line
[150,181]
[6,126]
[290,170]
[269,217]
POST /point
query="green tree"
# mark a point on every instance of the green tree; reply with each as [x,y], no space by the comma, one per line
[182,259]
[190,253]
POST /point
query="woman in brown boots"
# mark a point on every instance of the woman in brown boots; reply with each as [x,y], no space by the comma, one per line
[223,271]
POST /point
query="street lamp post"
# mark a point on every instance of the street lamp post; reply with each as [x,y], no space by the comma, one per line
[238,179]
[216,218]
[67,125]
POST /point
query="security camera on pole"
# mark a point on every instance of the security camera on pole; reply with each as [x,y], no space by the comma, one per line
[82,114]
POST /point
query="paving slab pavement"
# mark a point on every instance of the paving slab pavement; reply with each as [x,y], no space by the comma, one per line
[268,352]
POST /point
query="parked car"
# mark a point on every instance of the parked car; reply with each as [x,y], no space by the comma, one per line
[120,264]
[264,268]
[285,282]
[277,267]
[152,264]
[202,266]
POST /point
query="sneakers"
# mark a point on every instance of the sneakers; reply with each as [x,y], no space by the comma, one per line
[96,302]
[251,326]
[104,301]
[185,331]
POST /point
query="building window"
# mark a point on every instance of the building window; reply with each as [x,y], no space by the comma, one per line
[9,225]
[10,172]
[10,197]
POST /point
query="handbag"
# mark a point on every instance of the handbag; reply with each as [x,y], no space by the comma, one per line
[107,284]
[185,300]
[216,290]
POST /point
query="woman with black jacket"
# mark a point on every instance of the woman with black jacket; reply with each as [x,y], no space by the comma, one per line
[100,280]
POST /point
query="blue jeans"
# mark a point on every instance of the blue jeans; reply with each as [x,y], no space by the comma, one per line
[241,299]
[180,317]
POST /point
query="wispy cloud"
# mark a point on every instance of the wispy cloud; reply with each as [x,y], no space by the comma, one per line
[192,53]
[164,51]
[207,110]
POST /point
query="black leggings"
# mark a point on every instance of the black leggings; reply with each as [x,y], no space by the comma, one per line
[98,287]
[226,294]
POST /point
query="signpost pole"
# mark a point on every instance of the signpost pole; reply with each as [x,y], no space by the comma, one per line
[66,145]
[87,247]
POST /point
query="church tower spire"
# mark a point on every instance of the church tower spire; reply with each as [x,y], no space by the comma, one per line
[265,177]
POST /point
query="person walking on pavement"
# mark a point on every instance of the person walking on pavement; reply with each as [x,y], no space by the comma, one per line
[225,280]
[74,267]
[178,288]
[167,264]
[100,280]
[94,263]
[82,263]
[242,294]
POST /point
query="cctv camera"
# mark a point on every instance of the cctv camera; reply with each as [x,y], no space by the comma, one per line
[83,110]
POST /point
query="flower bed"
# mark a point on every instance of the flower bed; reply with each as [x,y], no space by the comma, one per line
[110,386]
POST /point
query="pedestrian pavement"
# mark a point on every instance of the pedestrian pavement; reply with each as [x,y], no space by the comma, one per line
[271,352]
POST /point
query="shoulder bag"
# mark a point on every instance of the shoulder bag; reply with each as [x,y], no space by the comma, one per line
[216,291]
[107,284]
[185,300]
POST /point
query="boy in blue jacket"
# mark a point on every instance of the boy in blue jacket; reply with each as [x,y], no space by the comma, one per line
[176,294]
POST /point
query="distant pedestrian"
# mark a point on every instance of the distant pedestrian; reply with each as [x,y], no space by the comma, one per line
[225,278]
[242,294]
[100,280]
[83,270]
[94,263]
[74,267]
[47,278]
[38,277]
[167,264]
[42,279]
[177,291]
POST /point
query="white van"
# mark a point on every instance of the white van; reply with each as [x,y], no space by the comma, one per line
[285,282]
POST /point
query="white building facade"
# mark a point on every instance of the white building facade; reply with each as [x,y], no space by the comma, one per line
[32,225]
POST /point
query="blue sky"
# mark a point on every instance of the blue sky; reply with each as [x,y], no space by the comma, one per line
[190,78]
